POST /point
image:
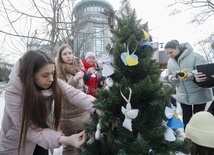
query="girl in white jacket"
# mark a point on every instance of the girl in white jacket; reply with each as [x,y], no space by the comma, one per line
[32,111]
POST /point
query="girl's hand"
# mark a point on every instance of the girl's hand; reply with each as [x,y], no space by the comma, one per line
[200,77]
[174,79]
[190,75]
[98,112]
[77,140]
[91,70]
[79,75]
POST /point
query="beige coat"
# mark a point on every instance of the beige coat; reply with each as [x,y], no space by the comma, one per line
[73,117]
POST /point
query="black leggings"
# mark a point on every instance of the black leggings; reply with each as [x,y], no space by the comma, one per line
[40,151]
[189,110]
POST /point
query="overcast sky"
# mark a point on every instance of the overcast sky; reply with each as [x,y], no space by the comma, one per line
[162,27]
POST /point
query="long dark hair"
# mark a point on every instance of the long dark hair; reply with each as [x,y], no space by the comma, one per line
[172,44]
[34,110]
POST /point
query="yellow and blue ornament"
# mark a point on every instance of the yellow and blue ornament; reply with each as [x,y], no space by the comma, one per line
[174,121]
[129,59]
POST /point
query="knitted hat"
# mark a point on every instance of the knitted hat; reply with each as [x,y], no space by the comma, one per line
[200,129]
[89,54]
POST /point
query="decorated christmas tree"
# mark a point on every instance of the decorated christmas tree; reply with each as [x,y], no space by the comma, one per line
[133,103]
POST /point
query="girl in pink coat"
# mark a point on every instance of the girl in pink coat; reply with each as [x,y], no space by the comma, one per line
[30,123]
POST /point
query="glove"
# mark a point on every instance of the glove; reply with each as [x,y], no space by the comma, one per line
[182,74]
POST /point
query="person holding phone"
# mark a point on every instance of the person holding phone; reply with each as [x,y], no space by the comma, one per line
[205,82]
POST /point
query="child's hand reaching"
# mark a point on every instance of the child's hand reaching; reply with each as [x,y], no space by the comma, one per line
[75,140]
[91,70]
[79,75]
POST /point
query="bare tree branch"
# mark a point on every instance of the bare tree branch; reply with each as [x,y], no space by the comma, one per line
[23,36]
[201,12]
[46,21]
[204,9]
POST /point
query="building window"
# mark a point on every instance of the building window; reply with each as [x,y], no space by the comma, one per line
[92,8]
[98,40]
[80,43]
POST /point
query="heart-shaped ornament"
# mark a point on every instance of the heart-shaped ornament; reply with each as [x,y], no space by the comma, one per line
[132,60]
[123,57]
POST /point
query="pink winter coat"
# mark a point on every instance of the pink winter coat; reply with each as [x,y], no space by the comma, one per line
[11,122]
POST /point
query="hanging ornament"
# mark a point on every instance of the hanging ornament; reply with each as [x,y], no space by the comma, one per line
[146,43]
[105,61]
[130,60]
[146,35]
[90,141]
[169,134]
[129,113]
[119,12]
[174,121]
[151,152]
[109,83]
[97,133]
